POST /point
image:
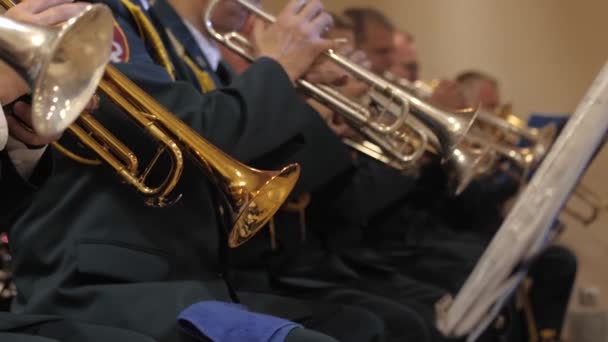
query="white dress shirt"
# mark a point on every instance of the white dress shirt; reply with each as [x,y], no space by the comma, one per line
[145,4]
[209,48]
[3,130]
[24,159]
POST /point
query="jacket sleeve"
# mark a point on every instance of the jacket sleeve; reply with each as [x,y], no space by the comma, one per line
[246,125]
[368,190]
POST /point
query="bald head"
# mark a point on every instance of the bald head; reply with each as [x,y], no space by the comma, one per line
[480,89]
[406,58]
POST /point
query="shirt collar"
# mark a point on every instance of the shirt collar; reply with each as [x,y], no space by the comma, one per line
[145,4]
[210,50]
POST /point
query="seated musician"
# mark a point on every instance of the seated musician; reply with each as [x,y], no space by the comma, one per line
[554,271]
[25,165]
[25,160]
[101,256]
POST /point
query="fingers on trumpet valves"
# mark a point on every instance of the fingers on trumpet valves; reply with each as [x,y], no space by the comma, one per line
[94,103]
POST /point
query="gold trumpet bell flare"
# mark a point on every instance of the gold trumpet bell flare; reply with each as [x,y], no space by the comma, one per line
[254,209]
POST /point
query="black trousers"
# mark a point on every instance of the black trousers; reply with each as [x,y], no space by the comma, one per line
[381,289]
[340,321]
[80,332]
[446,258]
[553,275]
[296,335]
[70,331]
[400,323]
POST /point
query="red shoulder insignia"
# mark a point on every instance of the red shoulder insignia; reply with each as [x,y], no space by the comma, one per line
[120,45]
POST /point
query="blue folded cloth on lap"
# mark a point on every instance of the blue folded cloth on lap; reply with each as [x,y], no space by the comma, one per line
[228,322]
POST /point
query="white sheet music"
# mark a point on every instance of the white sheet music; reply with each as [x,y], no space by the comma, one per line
[525,229]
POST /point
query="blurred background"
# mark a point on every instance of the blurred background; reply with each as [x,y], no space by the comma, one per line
[545,53]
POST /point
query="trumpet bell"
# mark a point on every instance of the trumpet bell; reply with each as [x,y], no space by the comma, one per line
[256,198]
[61,66]
[253,196]
[449,128]
[463,166]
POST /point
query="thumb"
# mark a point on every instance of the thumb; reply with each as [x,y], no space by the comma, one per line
[344,49]
[327,44]
[258,29]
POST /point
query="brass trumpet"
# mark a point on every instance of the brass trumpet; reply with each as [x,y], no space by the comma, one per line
[594,202]
[540,139]
[254,196]
[461,160]
[389,138]
[525,158]
[505,122]
[62,66]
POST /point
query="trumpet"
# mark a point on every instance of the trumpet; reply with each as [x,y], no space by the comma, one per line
[539,139]
[594,202]
[254,196]
[389,138]
[505,122]
[461,160]
[61,66]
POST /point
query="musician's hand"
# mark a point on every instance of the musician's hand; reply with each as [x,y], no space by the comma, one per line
[337,124]
[20,123]
[448,95]
[38,12]
[355,88]
[342,128]
[326,71]
[45,12]
[229,16]
[12,86]
[295,39]
[360,58]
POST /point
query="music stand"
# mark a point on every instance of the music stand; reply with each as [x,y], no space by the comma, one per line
[527,228]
